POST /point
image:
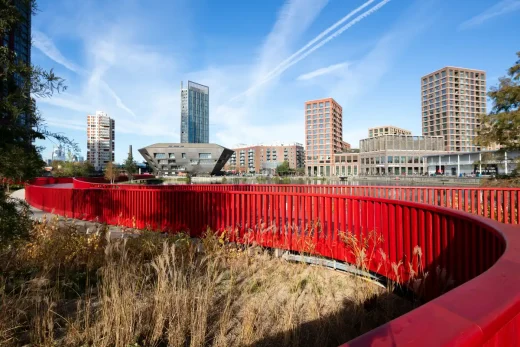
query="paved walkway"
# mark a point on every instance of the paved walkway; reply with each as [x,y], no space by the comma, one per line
[82,226]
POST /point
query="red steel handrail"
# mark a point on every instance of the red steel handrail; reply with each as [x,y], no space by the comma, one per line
[480,255]
[500,204]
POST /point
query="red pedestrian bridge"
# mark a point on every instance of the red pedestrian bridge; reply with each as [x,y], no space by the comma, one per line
[469,233]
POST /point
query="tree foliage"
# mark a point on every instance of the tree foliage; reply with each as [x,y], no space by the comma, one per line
[15,221]
[502,125]
[130,166]
[111,172]
[20,121]
[284,169]
[71,169]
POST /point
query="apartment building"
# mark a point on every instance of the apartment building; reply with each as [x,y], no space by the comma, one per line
[387,130]
[100,139]
[398,154]
[265,158]
[346,164]
[323,135]
[452,100]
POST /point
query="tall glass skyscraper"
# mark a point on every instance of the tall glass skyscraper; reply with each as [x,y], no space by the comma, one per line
[194,113]
[18,41]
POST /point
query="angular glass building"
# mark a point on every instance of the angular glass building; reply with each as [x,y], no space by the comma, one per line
[194,113]
[171,159]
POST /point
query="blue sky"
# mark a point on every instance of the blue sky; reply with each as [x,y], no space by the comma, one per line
[127,58]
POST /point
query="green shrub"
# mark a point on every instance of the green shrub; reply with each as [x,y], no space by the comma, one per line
[15,221]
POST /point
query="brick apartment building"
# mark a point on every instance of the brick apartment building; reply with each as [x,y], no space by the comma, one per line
[265,158]
[323,135]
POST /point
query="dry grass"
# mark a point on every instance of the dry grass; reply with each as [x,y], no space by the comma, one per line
[72,289]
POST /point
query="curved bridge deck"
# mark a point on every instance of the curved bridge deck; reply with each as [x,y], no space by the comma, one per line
[480,255]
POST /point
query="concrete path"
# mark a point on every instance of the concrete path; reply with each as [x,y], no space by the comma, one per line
[81,225]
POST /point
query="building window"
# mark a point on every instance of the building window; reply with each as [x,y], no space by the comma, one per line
[159,155]
[183,155]
[172,155]
[204,155]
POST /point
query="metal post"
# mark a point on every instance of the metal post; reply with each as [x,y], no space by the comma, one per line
[505,159]
[458,164]
[480,164]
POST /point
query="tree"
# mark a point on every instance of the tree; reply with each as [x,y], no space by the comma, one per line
[130,166]
[111,172]
[502,125]
[20,122]
[71,169]
[283,169]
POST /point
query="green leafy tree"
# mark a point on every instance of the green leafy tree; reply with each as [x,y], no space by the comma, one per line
[71,169]
[283,169]
[502,125]
[130,166]
[20,121]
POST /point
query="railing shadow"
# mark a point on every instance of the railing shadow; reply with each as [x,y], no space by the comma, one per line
[350,321]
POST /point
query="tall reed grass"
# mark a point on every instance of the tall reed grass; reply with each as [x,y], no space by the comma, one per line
[68,288]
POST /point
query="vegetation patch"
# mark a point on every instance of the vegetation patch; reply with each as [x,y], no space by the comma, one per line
[63,287]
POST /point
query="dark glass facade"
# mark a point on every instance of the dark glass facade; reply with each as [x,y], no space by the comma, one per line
[195,113]
[18,41]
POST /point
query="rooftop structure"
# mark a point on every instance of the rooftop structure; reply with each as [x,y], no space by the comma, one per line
[387,130]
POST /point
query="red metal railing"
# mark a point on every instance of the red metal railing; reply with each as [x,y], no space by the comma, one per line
[43,181]
[500,204]
[101,182]
[480,255]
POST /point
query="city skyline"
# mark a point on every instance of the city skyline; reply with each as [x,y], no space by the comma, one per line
[258,77]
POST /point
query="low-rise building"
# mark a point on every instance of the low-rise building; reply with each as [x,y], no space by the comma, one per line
[398,154]
[171,159]
[471,163]
[387,130]
[346,164]
[265,158]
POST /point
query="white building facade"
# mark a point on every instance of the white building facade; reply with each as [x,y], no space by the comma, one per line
[100,139]
[472,163]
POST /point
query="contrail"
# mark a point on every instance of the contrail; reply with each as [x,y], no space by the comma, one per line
[290,62]
[319,37]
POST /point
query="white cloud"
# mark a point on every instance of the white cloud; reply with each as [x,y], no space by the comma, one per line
[322,71]
[501,8]
[47,47]
[318,38]
[68,101]
[307,49]
[293,20]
